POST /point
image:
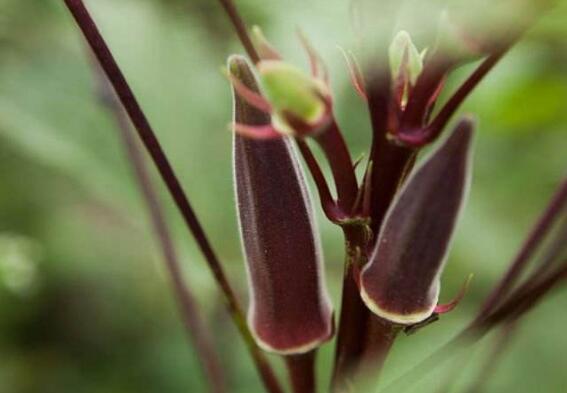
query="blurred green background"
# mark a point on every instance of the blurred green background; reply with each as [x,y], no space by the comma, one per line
[84,302]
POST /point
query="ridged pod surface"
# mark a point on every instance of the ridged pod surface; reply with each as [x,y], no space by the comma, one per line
[290,311]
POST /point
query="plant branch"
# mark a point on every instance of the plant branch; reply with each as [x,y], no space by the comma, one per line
[363,338]
[440,121]
[330,208]
[336,151]
[534,239]
[301,369]
[201,337]
[241,29]
[152,145]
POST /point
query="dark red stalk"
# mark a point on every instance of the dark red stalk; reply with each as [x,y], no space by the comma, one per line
[331,210]
[241,29]
[198,333]
[392,163]
[432,131]
[428,82]
[524,299]
[534,239]
[553,252]
[361,336]
[301,369]
[354,314]
[152,145]
[338,156]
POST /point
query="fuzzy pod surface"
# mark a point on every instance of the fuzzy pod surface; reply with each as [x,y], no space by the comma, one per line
[401,281]
[289,309]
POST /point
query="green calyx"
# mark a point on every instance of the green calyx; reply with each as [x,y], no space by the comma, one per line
[289,90]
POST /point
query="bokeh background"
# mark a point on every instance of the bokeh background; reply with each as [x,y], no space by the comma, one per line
[85,306]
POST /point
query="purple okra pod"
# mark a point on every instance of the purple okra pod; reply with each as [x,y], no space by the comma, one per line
[290,311]
[400,283]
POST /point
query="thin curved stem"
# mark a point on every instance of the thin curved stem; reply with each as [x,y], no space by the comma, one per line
[152,145]
[336,151]
[330,208]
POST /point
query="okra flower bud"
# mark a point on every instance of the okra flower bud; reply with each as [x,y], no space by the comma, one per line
[292,93]
[404,58]
[400,283]
[290,311]
[299,104]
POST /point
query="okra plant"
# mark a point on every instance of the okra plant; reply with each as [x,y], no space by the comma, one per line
[398,212]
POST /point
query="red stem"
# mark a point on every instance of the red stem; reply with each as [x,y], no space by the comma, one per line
[449,109]
[152,145]
[330,208]
[426,85]
[534,239]
[338,156]
[362,338]
[301,369]
[241,29]
[352,322]
[200,336]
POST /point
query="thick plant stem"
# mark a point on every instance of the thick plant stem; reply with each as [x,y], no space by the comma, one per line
[363,338]
[152,145]
[380,337]
[354,314]
[301,369]
[200,336]
[352,326]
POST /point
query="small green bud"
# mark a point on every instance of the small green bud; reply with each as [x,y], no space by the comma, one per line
[403,53]
[290,90]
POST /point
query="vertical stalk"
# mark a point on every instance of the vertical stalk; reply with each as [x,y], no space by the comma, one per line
[152,145]
[200,336]
[380,337]
[353,321]
[301,369]
[241,29]
[364,340]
